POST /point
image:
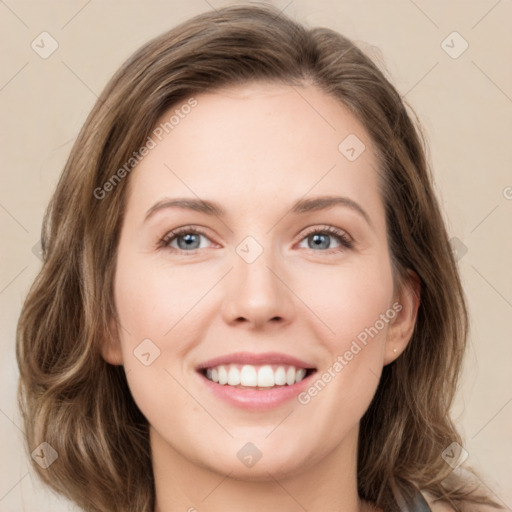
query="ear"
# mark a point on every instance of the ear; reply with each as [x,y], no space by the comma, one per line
[401,328]
[111,345]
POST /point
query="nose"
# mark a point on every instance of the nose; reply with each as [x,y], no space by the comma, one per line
[258,294]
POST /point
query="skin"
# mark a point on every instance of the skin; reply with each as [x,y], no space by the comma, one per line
[256,149]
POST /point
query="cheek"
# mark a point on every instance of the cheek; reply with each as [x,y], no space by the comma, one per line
[348,301]
[164,313]
[155,308]
[356,309]
[154,301]
[364,298]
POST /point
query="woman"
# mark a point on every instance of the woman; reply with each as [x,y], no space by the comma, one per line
[304,355]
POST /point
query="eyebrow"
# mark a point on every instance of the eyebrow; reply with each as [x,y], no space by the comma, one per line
[299,207]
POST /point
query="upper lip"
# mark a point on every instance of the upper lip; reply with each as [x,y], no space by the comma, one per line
[255,359]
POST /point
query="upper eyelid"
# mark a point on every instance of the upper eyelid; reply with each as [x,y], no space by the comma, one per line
[331,230]
[205,231]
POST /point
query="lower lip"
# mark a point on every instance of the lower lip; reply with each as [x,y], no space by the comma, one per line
[254,399]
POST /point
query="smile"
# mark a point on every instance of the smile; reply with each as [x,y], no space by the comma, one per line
[255,382]
[256,376]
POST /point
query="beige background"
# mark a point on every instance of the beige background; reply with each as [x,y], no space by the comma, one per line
[465,104]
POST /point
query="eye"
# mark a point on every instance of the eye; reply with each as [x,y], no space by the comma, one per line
[188,239]
[319,238]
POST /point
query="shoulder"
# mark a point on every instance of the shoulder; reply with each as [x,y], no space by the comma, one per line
[437,505]
[471,483]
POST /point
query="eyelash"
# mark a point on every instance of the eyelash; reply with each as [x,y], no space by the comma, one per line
[344,239]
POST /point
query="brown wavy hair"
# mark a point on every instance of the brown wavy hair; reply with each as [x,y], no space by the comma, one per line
[81,405]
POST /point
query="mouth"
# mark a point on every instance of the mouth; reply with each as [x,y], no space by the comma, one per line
[255,382]
[256,377]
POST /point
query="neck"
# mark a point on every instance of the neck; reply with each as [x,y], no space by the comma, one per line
[328,485]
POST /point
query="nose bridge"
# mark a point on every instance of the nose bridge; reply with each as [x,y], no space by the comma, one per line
[255,292]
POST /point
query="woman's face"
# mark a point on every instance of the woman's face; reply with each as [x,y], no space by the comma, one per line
[270,281]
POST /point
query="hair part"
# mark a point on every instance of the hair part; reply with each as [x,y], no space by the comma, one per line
[81,405]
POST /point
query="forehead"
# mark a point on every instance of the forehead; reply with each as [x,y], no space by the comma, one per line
[263,141]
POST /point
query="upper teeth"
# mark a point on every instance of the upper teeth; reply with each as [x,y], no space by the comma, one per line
[255,376]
